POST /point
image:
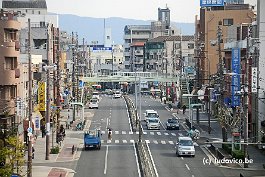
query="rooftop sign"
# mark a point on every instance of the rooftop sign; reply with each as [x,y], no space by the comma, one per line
[209,3]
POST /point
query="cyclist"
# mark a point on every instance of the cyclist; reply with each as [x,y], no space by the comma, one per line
[109,133]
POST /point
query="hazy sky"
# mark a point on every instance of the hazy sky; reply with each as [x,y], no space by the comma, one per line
[181,10]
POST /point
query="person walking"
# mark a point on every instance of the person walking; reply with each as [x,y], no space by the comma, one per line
[184,107]
[178,106]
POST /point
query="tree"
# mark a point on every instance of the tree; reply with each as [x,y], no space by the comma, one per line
[12,155]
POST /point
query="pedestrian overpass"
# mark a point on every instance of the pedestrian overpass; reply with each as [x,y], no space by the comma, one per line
[131,77]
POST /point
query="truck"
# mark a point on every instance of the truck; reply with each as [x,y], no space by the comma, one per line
[92,138]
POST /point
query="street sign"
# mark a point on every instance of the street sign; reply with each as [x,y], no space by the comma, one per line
[42,96]
[254,80]
[29,130]
[37,123]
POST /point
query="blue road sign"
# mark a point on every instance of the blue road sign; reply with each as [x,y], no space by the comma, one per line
[30,130]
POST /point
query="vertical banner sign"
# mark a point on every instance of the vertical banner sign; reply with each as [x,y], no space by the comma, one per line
[42,96]
[37,123]
[235,87]
[254,79]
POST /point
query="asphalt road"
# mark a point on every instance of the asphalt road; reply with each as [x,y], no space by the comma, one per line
[116,158]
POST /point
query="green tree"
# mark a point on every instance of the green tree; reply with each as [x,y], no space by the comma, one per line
[13,156]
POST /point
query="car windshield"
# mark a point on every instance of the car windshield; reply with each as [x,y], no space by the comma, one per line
[172,121]
[153,120]
[185,143]
[152,115]
[93,101]
[95,93]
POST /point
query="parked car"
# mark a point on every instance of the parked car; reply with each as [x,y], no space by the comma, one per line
[153,123]
[185,147]
[93,103]
[172,123]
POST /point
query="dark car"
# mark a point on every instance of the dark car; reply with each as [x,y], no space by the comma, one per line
[172,123]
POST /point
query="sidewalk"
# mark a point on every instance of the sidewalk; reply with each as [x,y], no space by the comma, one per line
[216,136]
[47,168]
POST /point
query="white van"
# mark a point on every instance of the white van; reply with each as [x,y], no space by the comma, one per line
[184,146]
[95,95]
[150,113]
[153,123]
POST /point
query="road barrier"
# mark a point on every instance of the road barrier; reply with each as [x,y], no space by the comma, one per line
[146,163]
[132,112]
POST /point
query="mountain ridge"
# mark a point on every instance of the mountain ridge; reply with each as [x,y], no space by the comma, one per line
[92,29]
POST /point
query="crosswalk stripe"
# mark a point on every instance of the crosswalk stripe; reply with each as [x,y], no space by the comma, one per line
[180,134]
[123,132]
[116,132]
[147,141]
[166,134]
[195,144]
[158,133]
[109,141]
[131,141]
[173,134]
[137,133]
[163,142]
[124,141]
[102,141]
[155,141]
[170,142]
[117,141]
[130,133]
[152,133]
[144,133]
[103,132]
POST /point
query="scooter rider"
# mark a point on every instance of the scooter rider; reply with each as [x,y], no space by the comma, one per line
[109,133]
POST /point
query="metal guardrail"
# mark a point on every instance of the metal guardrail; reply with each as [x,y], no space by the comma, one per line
[148,169]
[132,112]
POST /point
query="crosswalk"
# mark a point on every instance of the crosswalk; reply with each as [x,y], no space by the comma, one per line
[145,133]
[163,142]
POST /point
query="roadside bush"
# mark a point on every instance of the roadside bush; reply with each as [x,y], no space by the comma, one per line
[227,148]
[238,154]
[55,150]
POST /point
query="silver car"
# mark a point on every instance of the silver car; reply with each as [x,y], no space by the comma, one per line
[185,147]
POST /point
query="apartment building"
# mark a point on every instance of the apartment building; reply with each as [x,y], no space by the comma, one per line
[206,31]
[10,82]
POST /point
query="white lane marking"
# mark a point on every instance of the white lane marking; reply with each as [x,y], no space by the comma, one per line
[123,132]
[107,123]
[152,133]
[117,132]
[187,166]
[124,141]
[130,132]
[192,175]
[182,158]
[137,163]
[164,127]
[102,141]
[109,141]
[155,141]
[173,134]
[128,116]
[137,133]
[132,141]
[117,141]
[166,134]
[158,133]
[147,141]
[163,142]
[103,132]
[180,134]
[195,144]
[170,142]
[144,133]
[106,160]
[152,160]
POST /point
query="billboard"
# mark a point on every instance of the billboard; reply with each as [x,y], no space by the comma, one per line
[209,3]
[235,87]
[42,96]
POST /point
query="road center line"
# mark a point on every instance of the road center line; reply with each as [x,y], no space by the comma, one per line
[106,160]
[107,123]
[187,166]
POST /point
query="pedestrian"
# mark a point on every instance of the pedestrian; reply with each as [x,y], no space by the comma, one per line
[33,152]
[184,107]
[178,106]
[42,131]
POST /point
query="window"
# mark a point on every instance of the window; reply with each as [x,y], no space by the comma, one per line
[32,11]
[13,92]
[10,63]
[228,22]
[39,12]
[191,45]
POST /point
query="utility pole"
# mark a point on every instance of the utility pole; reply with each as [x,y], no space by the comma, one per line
[73,76]
[48,105]
[58,104]
[221,80]
[29,173]
[245,98]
